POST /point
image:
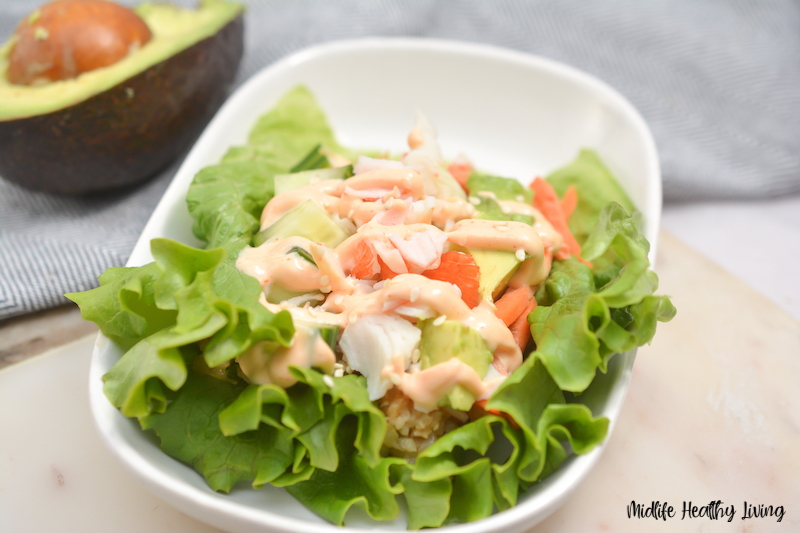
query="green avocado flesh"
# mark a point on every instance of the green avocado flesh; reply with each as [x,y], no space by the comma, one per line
[496,269]
[174,29]
[454,339]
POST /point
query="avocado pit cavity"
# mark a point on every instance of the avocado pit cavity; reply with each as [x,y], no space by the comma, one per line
[66,38]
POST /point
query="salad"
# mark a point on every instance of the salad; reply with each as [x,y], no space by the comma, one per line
[363,327]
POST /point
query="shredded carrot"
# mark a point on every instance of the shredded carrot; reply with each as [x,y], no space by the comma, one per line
[569,202]
[479,410]
[520,328]
[546,200]
[365,262]
[460,171]
[459,269]
[513,303]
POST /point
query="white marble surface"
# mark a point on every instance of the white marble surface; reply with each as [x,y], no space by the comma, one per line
[759,242]
[712,414]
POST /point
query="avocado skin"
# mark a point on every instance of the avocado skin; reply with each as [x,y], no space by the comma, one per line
[127,133]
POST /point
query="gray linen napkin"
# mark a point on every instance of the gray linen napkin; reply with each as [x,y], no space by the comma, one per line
[717,81]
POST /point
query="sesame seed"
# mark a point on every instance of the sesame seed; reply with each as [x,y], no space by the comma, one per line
[439,320]
[339,299]
[414,294]
[474,200]
[501,227]
[415,355]
[519,198]
[327,380]
[324,280]
[520,254]
[394,378]
[388,204]
[338,372]
[351,213]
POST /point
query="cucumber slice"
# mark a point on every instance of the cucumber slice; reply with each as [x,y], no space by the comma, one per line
[306,220]
[288,182]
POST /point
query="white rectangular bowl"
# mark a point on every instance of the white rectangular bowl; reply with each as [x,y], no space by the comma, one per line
[510,113]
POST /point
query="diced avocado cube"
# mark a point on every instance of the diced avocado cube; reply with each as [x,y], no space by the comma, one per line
[454,339]
[306,220]
[496,267]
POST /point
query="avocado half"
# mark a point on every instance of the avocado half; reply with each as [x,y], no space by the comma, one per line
[120,124]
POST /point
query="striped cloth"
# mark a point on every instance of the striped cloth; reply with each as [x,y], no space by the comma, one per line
[717,81]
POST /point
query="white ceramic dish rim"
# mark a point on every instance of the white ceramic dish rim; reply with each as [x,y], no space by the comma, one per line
[214,508]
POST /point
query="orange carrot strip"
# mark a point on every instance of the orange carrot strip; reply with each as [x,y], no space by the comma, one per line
[546,200]
[460,171]
[569,202]
[512,304]
[460,269]
[520,328]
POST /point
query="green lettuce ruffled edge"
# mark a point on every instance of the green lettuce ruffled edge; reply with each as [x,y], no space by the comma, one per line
[323,443]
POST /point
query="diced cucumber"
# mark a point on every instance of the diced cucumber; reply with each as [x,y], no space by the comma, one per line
[328,332]
[313,159]
[288,182]
[306,220]
[302,252]
[278,293]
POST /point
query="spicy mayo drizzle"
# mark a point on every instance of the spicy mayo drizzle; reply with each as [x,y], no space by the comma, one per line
[398,219]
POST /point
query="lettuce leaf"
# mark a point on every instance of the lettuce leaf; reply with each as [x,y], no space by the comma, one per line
[123,306]
[189,431]
[597,188]
[503,188]
[577,327]
[226,200]
[178,290]
[355,482]
[489,208]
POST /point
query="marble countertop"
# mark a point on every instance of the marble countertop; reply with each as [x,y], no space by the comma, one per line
[712,413]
